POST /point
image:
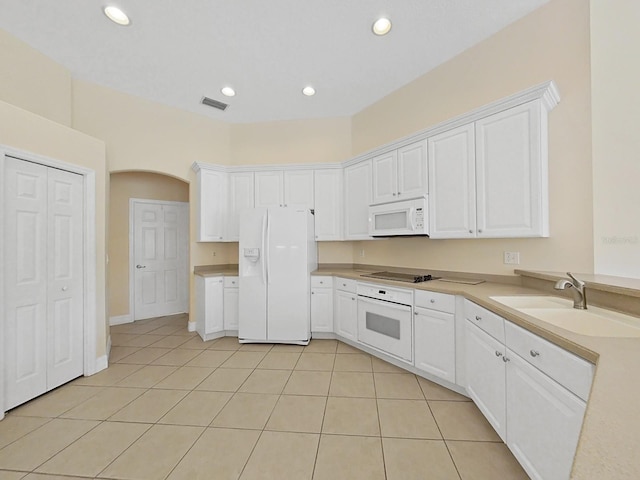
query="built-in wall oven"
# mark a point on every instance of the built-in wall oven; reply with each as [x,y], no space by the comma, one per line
[385,319]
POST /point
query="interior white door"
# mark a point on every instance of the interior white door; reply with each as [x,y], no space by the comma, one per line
[25,338]
[159,258]
[65,295]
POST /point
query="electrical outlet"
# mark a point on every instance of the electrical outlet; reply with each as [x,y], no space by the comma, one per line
[512,258]
[214,254]
[362,252]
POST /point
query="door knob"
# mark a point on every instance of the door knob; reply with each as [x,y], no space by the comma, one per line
[141,266]
[64,289]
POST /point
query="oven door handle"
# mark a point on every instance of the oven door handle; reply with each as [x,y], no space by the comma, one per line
[412,212]
[384,303]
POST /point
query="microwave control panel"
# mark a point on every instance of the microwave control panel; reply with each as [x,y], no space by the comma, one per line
[419,218]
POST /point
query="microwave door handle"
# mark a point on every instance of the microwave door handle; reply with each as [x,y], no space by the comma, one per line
[411,213]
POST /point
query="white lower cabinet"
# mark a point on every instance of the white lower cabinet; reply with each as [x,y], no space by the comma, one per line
[230,304]
[531,391]
[322,304]
[209,307]
[434,334]
[486,382]
[346,309]
[543,421]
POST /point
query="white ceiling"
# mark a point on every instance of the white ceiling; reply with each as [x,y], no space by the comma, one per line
[176,51]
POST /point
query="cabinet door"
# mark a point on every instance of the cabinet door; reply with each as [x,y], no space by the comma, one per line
[434,345]
[241,196]
[209,303]
[346,315]
[269,189]
[328,204]
[357,198]
[298,189]
[231,309]
[485,374]
[511,174]
[543,421]
[385,180]
[452,184]
[412,170]
[322,310]
[212,205]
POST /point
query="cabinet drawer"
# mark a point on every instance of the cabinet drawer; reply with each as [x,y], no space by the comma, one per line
[441,302]
[321,281]
[230,282]
[569,370]
[488,321]
[346,285]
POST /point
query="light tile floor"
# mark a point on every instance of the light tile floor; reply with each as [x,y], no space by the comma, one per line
[172,406]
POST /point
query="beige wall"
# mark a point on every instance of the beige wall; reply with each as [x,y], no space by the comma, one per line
[299,141]
[552,43]
[124,186]
[28,132]
[615,76]
[34,82]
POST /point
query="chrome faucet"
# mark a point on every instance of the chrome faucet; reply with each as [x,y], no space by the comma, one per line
[579,293]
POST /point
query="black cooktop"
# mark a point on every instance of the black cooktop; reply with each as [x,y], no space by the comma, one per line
[401,277]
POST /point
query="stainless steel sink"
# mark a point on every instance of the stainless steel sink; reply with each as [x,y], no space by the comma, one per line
[595,322]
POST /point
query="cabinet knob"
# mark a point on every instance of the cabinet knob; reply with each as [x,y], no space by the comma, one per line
[478,318]
[65,288]
[344,284]
[479,230]
[470,231]
[534,353]
[321,282]
[313,293]
[399,193]
[432,300]
[415,313]
[498,354]
[353,298]
[506,359]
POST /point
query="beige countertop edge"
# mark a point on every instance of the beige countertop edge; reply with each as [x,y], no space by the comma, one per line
[215,270]
[604,283]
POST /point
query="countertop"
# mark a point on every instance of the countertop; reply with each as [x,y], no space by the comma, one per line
[610,435]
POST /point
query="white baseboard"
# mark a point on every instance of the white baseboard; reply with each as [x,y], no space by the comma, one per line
[191,326]
[101,363]
[120,319]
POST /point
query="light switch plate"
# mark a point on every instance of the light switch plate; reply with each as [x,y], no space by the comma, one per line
[512,258]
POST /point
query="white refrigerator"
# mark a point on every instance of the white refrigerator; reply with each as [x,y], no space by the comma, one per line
[277,254]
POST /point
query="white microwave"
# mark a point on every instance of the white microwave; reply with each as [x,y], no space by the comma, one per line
[404,217]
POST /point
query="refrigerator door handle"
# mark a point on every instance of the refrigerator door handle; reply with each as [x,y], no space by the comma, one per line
[268,249]
[264,257]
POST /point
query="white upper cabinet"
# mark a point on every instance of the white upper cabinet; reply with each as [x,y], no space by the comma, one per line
[284,188]
[298,188]
[488,179]
[400,174]
[412,170]
[452,184]
[357,198]
[328,204]
[240,197]
[269,189]
[511,173]
[385,179]
[212,205]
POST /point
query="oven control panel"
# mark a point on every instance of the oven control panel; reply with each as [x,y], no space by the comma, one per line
[382,292]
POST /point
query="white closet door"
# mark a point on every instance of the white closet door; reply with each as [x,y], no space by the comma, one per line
[64,273]
[25,281]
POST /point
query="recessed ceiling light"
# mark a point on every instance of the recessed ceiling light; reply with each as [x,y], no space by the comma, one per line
[116,15]
[381,26]
[228,91]
[309,91]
